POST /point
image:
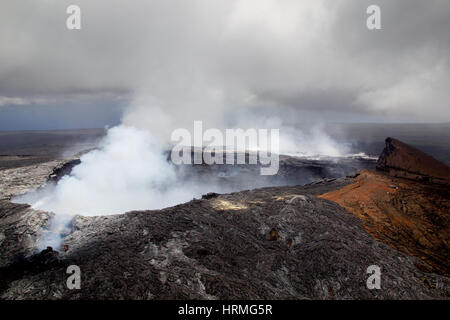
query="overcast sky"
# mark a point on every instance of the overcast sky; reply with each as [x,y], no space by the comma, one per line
[298,60]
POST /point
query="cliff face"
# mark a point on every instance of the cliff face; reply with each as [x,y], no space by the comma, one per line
[402,160]
[405,203]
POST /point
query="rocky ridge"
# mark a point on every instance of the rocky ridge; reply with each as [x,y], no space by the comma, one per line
[404,161]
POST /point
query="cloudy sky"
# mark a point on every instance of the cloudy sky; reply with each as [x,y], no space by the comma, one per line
[299,60]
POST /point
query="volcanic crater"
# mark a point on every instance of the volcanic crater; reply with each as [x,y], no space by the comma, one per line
[310,232]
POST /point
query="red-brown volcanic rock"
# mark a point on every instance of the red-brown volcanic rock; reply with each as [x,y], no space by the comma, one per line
[405,214]
[411,215]
[405,203]
[402,160]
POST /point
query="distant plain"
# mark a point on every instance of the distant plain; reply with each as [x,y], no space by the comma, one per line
[21,148]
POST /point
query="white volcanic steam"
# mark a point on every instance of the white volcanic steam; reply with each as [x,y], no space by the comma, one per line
[130,171]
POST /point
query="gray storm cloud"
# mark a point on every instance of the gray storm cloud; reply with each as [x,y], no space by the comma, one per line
[204,59]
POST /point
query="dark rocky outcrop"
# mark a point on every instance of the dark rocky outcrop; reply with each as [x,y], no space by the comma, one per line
[402,160]
[63,169]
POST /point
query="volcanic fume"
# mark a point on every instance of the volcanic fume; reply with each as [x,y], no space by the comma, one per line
[130,171]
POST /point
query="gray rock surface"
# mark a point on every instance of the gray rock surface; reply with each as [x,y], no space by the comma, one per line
[270,243]
[20,229]
[17,181]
